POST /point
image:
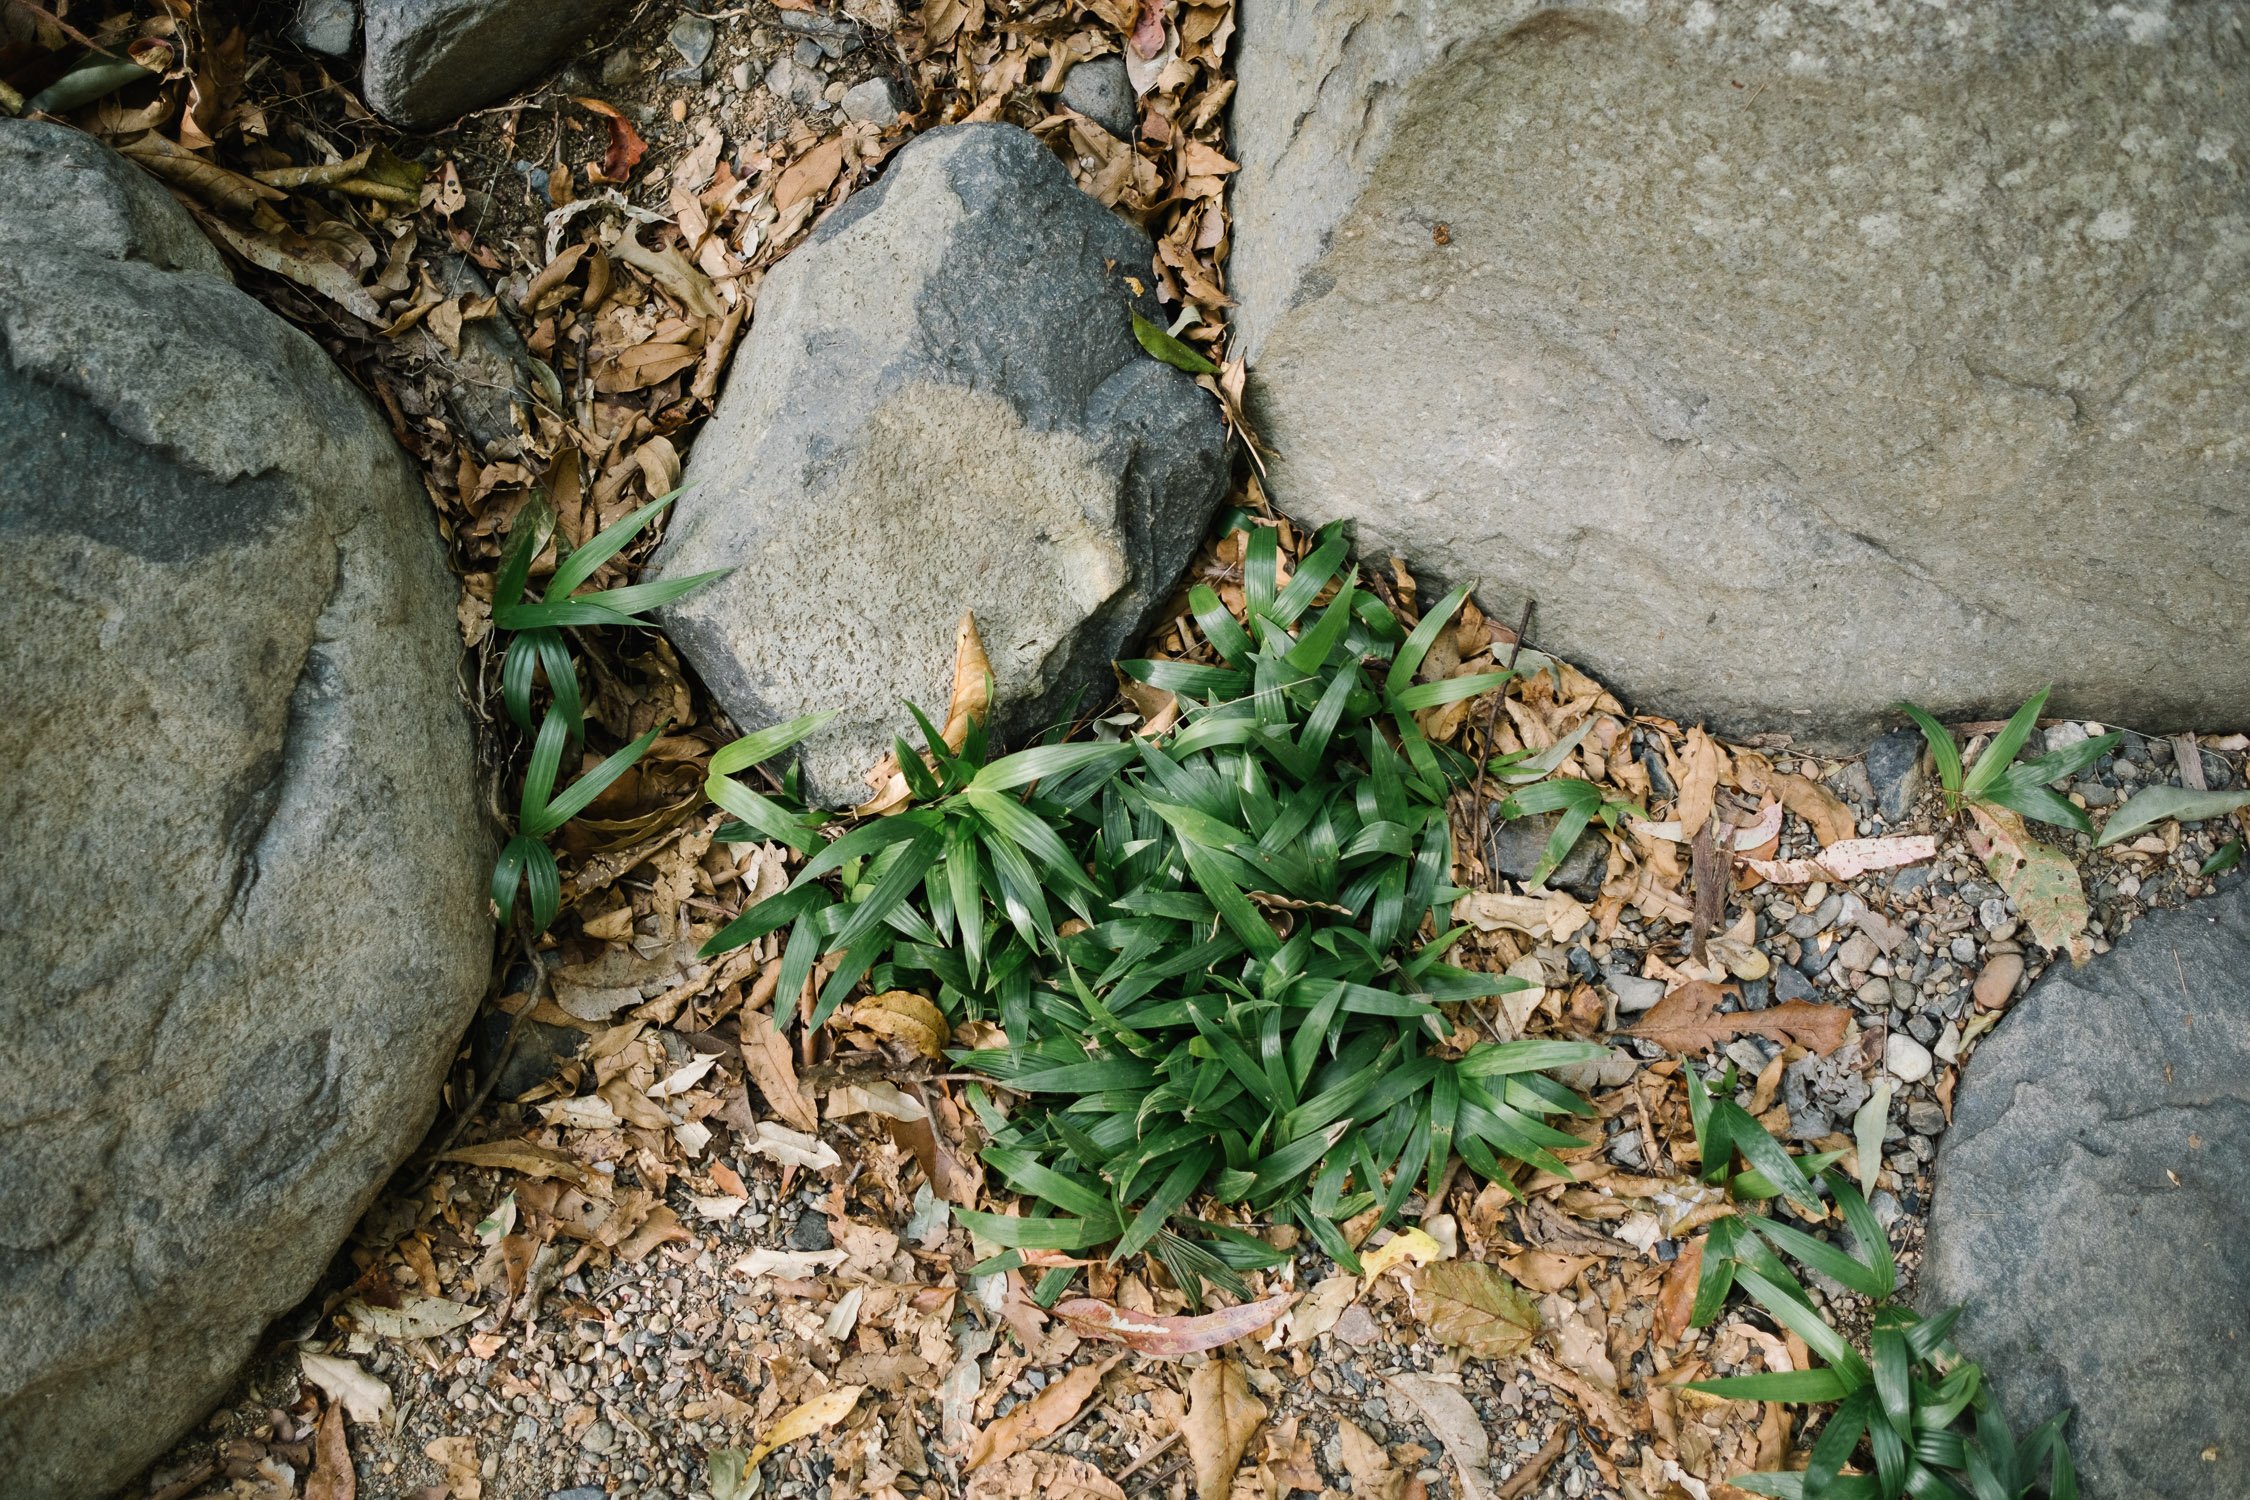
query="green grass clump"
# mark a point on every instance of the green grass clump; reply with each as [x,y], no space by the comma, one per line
[1912,1416]
[1207,951]
[535,646]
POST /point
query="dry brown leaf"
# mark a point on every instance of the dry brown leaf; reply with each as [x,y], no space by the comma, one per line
[1677,1298]
[457,1456]
[1831,821]
[1688,1020]
[332,1477]
[1048,1412]
[1700,765]
[1476,1309]
[907,1018]
[626,148]
[810,175]
[1525,1479]
[1170,1337]
[1042,1476]
[766,1058]
[2042,883]
[1446,1411]
[1553,915]
[326,277]
[525,1157]
[971,700]
[1222,1417]
[1372,1473]
[1848,859]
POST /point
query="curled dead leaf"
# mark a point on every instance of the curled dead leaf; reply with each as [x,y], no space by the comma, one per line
[1689,1021]
[907,1018]
[1048,1412]
[1170,1337]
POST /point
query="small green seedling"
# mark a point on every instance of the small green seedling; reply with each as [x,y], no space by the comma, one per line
[526,857]
[1995,778]
[536,625]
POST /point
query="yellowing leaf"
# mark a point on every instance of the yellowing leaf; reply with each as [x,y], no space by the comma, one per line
[1472,1307]
[1406,1245]
[816,1415]
[2041,883]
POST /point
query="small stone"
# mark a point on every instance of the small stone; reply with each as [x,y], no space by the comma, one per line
[1877,994]
[1634,994]
[325,26]
[1357,1326]
[1790,983]
[811,1232]
[808,53]
[873,102]
[1102,91]
[1948,1047]
[794,82]
[1885,1206]
[1907,1059]
[1894,771]
[1963,949]
[1858,953]
[1516,846]
[1923,1028]
[1925,1117]
[2094,794]
[1998,981]
[599,1438]
[1808,1124]
[620,67]
[834,93]
[1992,914]
[1745,1053]
[691,36]
[739,76]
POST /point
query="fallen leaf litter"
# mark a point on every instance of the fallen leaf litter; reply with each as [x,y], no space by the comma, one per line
[700,1246]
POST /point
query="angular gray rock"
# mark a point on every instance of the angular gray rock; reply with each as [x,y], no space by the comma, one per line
[1102,91]
[1515,846]
[1796,357]
[325,26]
[244,853]
[2089,1206]
[940,408]
[431,61]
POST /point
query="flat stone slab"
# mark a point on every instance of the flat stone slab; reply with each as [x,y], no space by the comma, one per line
[2090,1207]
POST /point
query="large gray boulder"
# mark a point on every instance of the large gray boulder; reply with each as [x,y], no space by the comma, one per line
[941,407]
[2090,1207]
[430,61]
[1795,357]
[243,850]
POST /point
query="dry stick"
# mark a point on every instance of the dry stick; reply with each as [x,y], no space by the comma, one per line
[1144,1460]
[1481,822]
[507,1050]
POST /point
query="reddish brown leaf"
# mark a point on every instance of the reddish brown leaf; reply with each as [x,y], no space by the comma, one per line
[626,148]
[332,1477]
[1677,1299]
[1689,1021]
[1148,30]
[1147,1333]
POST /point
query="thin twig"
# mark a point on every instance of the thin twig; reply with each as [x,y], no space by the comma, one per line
[1143,1461]
[507,1049]
[1480,822]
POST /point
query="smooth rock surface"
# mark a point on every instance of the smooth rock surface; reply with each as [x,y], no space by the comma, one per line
[941,407]
[244,852]
[2089,1206]
[431,61]
[1796,357]
[325,26]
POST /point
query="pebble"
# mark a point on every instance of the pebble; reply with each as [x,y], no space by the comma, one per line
[811,1232]
[1925,1117]
[1894,772]
[1964,949]
[1790,983]
[691,36]
[1907,1059]
[1103,92]
[1992,914]
[873,102]
[1858,953]
[1876,994]
[1809,925]
[1634,994]
[1998,981]
[619,67]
